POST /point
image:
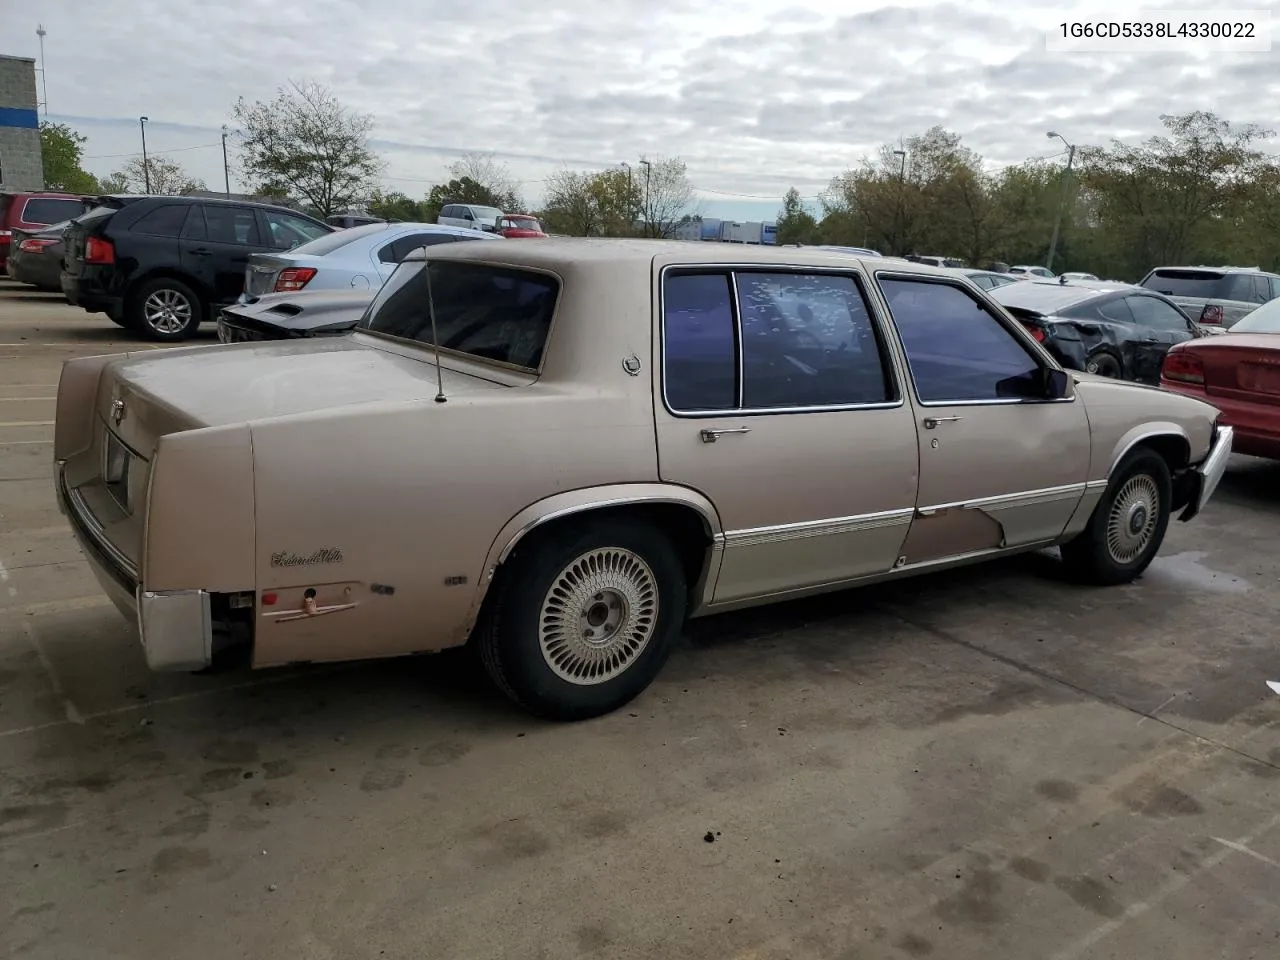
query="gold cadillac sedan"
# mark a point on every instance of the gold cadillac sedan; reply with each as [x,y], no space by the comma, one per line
[557,452]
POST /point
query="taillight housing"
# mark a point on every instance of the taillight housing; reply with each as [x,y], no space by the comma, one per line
[98,250]
[293,278]
[1037,332]
[1182,367]
[35,245]
[1212,314]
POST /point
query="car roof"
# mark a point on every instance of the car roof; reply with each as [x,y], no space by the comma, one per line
[1048,297]
[558,252]
[212,201]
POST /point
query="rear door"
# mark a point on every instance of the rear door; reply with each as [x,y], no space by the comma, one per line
[1159,326]
[216,242]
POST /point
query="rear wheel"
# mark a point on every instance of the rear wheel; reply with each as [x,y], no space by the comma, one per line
[584,618]
[164,309]
[1128,525]
[1104,365]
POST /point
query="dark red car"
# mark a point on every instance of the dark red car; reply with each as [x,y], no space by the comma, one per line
[1239,373]
[520,226]
[33,212]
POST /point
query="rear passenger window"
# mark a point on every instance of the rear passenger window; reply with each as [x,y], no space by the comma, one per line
[699,356]
[807,341]
[231,225]
[165,221]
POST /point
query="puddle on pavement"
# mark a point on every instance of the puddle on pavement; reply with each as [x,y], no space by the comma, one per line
[1186,570]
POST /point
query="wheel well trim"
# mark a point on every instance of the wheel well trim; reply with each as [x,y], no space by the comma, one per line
[589,499]
[1140,435]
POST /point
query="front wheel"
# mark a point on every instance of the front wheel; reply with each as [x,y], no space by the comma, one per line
[1128,525]
[584,618]
[1104,365]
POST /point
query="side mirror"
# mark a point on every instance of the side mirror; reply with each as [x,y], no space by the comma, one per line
[1057,384]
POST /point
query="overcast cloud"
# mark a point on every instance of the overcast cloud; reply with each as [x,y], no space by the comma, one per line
[755,95]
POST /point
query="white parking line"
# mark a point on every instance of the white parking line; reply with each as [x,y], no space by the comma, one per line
[69,708]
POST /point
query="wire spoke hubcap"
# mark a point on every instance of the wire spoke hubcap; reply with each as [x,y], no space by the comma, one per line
[598,616]
[167,311]
[1132,522]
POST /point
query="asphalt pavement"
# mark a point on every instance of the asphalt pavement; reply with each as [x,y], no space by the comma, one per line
[988,763]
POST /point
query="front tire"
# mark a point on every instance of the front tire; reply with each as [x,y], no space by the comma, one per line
[584,618]
[1128,525]
[1104,365]
[164,310]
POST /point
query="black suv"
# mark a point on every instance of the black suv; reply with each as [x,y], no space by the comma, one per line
[162,265]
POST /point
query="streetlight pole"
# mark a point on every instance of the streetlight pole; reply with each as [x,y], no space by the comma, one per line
[146,167]
[41,32]
[1062,197]
[226,170]
[631,199]
[647,167]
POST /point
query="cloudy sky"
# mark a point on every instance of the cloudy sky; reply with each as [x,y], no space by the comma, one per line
[755,95]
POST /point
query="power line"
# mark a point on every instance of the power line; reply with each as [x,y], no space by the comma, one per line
[116,156]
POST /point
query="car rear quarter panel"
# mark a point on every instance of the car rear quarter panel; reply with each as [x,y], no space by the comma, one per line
[1124,414]
[405,502]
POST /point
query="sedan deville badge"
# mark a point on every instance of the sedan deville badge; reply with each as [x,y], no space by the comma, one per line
[324,555]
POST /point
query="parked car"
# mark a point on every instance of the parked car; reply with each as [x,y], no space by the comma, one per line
[471,216]
[1218,296]
[1239,373]
[1025,271]
[35,256]
[1119,332]
[954,262]
[1072,275]
[355,258]
[345,221]
[283,316]
[641,404]
[30,212]
[849,251]
[520,226]
[162,265]
[987,279]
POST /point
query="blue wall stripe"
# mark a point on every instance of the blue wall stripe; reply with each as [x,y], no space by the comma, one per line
[18,117]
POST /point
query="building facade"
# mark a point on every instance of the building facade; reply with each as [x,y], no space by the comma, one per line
[21,167]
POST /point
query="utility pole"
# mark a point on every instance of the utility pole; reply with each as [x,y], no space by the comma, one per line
[902,186]
[41,32]
[631,195]
[226,170]
[647,167]
[146,167]
[1062,197]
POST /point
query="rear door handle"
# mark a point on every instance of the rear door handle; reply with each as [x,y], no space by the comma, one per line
[711,435]
[202,252]
[931,422]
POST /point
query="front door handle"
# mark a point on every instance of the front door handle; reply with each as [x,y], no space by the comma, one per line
[711,435]
[931,422]
[202,252]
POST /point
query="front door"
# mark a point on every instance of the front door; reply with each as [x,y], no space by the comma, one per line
[1160,326]
[997,470]
[776,399]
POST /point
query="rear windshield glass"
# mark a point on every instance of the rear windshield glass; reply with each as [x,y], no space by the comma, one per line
[1186,283]
[51,210]
[495,313]
[329,242]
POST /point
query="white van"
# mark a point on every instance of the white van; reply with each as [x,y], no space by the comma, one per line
[470,215]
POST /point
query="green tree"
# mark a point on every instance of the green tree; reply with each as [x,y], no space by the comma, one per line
[398,206]
[62,150]
[463,190]
[587,204]
[306,145]
[795,223]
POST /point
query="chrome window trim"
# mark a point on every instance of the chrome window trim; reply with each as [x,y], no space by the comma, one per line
[1010,326]
[731,269]
[1007,501]
[739,352]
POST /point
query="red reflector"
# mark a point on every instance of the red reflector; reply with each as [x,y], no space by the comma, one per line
[97,250]
[35,246]
[1036,332]
[294,278]
[1212,313]
[269,599]
[1183,367]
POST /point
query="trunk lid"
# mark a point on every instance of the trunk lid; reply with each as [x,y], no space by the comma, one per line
[263,268]
[1241,366]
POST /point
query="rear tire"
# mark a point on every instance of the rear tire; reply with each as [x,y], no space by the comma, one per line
[1104,365]
[1128,525]
[583,618]
[164,310]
